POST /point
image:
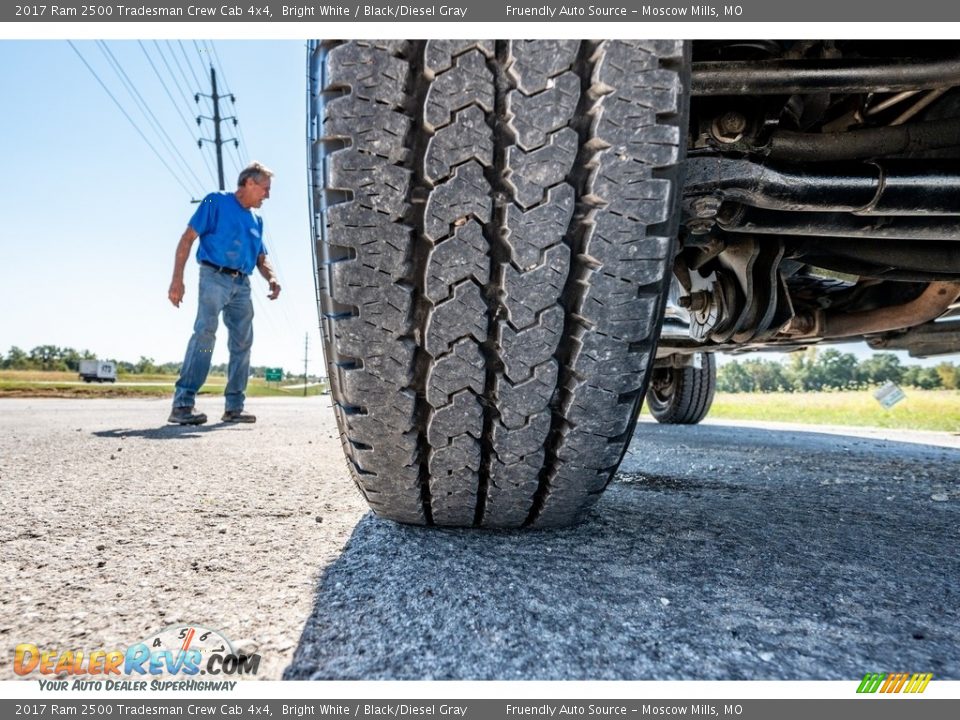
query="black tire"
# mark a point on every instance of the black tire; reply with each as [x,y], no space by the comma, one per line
[683,396]
[495,223]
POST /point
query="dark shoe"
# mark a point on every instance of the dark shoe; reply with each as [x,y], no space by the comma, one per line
[238,416]
[186,416]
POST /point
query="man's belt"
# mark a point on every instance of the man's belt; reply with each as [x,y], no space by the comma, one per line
[225,270]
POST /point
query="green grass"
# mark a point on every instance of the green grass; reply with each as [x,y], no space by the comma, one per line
[259,388]
[921,410]
[23,383]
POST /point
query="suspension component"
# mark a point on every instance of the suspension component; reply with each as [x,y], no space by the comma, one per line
[860,144]
[929,305]
[830,75]
[895,188]
[757,221]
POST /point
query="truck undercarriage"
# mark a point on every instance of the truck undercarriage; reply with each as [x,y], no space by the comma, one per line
[821,198]
[518,241]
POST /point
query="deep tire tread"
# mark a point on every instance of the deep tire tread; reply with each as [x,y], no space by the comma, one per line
[496,226]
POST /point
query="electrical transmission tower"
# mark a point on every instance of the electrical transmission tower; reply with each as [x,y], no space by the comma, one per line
[218,139]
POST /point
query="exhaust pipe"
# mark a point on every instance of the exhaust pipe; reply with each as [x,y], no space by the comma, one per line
[931,304]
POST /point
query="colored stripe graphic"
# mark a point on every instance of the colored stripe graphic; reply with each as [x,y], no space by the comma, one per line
[870,683]
[894,683]
[919,682]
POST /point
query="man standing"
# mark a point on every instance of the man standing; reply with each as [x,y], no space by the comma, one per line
[231,245]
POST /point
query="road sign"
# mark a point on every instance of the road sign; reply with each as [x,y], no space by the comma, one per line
[889,395]
[273,374]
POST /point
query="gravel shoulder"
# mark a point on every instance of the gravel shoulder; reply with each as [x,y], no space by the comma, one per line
[720,551]
[124,525]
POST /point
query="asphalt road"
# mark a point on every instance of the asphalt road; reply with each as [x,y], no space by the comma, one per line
[718,552]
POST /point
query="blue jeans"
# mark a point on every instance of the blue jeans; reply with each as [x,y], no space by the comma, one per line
[231,296]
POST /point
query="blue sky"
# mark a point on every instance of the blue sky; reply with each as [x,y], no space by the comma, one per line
[91,216]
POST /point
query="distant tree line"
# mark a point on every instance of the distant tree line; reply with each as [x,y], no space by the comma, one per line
[52,357]
[831,369]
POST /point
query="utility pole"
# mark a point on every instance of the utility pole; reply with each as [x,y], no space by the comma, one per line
[306,349]
[217,137]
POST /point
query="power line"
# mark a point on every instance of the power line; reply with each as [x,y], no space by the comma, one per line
[266,310]
[188,64]
[278,269]
[243,138]
[208,62]
[237,161]
[183,117]
[217,119]
[183,74]
[173,55]
[212,50]
[212,102]
[206,55]
[226,86]
[185,96]
[127,116]
[148,113]
[199,50]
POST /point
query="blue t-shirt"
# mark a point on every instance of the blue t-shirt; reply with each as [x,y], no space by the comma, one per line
[230,235]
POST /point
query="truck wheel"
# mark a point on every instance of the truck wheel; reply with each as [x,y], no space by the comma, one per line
[495,224]
[682,396]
